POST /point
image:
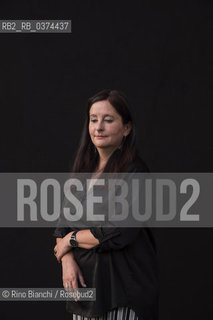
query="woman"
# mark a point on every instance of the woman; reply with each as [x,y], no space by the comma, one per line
[119,262]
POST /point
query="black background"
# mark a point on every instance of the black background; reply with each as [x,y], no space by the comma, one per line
[159,54]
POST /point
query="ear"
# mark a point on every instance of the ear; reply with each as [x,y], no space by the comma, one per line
[127,129]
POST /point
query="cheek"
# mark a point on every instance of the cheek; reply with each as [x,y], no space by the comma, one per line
[117,130]
[90,130]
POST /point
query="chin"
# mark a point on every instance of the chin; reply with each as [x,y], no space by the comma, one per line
[101,146]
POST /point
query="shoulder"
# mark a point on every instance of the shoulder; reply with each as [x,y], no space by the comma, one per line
[138,165]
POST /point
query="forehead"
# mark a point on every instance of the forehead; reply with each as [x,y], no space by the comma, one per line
[102,107]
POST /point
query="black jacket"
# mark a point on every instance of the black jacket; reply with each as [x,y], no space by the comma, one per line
[122,268]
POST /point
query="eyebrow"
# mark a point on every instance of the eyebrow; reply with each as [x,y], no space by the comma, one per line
[105,115]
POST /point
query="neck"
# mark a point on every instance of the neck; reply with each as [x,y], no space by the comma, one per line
[104,156]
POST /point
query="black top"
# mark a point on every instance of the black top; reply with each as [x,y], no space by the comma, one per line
[122,268]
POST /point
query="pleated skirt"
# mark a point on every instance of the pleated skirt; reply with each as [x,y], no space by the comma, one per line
[122,313]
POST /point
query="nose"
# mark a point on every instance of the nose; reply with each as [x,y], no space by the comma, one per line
[100,126]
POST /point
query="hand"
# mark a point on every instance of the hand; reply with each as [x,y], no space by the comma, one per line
[62,247]
[71,272]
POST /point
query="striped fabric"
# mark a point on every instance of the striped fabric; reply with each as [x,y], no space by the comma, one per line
[122,313]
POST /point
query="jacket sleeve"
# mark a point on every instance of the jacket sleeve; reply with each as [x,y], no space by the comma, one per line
[114,238]
[63,228]
[60,232]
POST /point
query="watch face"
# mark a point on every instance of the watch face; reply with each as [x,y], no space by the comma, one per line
[73,243]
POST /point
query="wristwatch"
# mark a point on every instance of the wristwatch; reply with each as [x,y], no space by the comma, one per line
[73,241]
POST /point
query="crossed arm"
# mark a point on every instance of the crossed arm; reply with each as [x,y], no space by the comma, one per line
[84,238]
[105,240]
[71,273]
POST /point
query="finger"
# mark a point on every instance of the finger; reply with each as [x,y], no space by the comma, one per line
[58,256]
[81,279]
[75,290]
[75,284]
[67,285]
[59,260]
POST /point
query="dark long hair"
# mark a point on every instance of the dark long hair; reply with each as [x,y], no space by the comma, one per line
[87,157]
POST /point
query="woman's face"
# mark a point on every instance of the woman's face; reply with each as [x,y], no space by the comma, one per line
[106,128]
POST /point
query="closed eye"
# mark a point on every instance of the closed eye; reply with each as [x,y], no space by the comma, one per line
[106,120]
